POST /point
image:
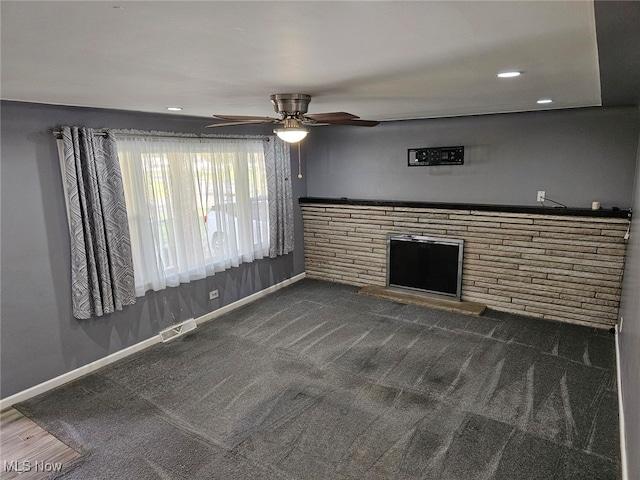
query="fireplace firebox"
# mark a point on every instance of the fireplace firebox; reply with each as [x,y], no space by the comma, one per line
[430,265]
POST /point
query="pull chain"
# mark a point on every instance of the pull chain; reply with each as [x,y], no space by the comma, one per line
[299,162]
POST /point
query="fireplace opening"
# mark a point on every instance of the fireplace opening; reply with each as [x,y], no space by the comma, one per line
[431,265]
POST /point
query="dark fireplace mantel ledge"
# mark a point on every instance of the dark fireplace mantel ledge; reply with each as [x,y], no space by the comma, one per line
[577,212]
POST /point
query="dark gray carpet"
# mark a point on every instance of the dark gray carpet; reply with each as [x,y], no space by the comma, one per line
[318,382]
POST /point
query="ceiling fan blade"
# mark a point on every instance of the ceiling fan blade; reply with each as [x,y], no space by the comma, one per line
[244,122]
[353,121]
[326,117]
[240,118]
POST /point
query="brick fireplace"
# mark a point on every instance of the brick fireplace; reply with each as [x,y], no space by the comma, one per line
[559,264]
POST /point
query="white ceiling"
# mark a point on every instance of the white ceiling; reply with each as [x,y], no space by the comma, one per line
[380,60]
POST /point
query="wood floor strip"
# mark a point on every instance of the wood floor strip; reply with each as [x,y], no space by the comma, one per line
[29,452]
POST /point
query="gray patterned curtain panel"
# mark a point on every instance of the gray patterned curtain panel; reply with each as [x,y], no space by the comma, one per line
[101,265]
[278,166]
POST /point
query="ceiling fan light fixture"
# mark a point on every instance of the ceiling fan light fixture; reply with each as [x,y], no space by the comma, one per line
[291,135]
[292,132]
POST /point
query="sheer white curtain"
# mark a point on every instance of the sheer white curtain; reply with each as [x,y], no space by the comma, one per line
[196,206]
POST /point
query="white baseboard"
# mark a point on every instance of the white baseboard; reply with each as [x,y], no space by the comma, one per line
[125,352]
[77,373]
[623,441]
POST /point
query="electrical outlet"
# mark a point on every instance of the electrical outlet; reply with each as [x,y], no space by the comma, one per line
[213,294]
[541,195]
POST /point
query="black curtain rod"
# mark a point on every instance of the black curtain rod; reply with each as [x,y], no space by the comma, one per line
[58,134]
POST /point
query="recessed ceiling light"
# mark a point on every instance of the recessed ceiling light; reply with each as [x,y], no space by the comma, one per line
[174,109]
[509,74]
[544,100]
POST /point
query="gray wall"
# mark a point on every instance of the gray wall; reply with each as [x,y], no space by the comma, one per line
[40,338]
[630,336]
[576,156]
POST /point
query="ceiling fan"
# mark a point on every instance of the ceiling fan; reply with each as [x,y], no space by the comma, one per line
[292,108]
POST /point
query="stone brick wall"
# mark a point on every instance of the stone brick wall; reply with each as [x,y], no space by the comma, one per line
[560,267]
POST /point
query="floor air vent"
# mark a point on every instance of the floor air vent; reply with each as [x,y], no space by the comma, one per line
[178,330]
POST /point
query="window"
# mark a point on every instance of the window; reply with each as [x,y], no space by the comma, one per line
[195,206]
